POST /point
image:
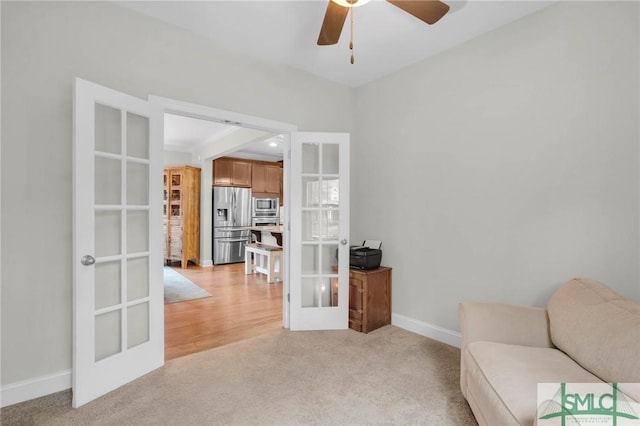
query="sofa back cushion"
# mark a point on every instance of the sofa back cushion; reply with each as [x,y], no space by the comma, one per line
[598,329]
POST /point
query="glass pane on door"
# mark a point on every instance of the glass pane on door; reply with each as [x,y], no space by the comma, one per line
[330,159]
[310,158]
[310,258]
[107,285]
[316,292]
[108,334]
[107,181]
[137,183]
[137,278]
[108,129]
[329,259]
[137,324]
[137,136]
[137,231]
[108,232]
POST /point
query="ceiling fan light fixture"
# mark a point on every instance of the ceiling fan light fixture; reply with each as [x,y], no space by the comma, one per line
[351,3]
[429,11]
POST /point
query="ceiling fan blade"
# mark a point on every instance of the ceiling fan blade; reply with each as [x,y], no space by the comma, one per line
[332,25]
[429,11]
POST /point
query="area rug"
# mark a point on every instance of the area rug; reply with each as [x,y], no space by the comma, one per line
[178,289]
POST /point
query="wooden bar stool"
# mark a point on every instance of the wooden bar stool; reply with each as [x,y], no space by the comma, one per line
[264,261]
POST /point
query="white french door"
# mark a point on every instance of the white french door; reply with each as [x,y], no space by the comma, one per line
[118,326]
[319,249]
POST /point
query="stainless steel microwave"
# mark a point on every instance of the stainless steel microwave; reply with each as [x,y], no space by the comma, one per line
[265,207]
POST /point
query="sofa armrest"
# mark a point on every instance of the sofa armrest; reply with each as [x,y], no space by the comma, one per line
[503,323]
[500,323]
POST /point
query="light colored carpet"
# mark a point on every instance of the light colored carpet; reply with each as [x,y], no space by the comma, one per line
[178,288]
[389,376]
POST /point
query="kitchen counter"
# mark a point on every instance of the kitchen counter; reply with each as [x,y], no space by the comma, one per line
[276,231]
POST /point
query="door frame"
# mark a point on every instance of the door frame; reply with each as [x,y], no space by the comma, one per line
[188,109]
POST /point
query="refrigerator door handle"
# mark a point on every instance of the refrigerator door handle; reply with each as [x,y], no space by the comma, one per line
[234,194]
[224,240]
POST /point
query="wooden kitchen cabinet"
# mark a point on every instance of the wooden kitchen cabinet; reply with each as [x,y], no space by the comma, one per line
[266,179]
[263,177]
[181,215]
[369,298]
[229,171]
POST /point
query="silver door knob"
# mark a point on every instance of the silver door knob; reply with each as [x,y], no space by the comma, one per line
[343,242]
[87,260]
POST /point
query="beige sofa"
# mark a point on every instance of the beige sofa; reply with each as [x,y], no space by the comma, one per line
[587,334]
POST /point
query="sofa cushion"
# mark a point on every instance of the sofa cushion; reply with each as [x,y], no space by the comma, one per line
[503,379]
[599,329]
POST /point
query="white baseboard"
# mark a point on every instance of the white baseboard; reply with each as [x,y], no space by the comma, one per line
[206,263]
[427,330]
[35,388]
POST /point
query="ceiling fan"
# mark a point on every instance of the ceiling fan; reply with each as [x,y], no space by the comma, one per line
[429,11]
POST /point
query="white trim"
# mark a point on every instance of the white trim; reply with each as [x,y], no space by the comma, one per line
[431,331]
[173,106]
[206,263]
[26,390]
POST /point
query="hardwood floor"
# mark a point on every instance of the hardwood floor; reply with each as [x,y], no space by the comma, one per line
[240,306]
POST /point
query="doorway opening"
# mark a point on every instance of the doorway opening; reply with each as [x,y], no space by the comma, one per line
[240,306]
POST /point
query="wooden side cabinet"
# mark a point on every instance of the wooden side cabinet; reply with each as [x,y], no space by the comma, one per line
[181,217]
[369,298]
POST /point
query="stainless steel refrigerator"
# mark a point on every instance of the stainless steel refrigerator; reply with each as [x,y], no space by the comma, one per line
[231,222]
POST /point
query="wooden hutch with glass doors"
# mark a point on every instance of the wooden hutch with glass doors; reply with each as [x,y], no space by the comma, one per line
[181,219]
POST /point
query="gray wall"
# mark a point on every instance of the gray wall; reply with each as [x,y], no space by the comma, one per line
[44,47]
[504,167]
[176,158]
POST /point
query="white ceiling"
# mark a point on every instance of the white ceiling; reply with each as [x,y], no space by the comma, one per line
[386,38]
[186,134]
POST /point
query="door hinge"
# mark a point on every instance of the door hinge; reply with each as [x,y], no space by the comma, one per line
[288,297]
